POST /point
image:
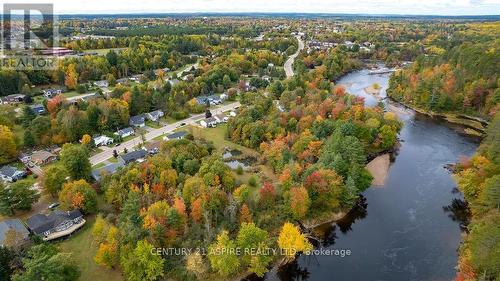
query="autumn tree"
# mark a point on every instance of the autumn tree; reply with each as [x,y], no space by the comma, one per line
[78,195]
[245,214]
[292,242]
[254,242]
[71,77]
[140,263]
[107,253]
[299,202]
[8,147]
[222,255]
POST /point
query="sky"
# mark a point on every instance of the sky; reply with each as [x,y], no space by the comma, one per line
[404,7]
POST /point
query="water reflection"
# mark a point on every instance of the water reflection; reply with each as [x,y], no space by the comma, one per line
[459,212]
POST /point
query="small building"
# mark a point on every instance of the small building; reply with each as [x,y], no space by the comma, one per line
[11,174]
[221,118]
[13,233]
[42,157]
[133,156]
[38,109]
[122,81]
[152,147]
[125,132]
[101,83]
[50,93]
[56,225]
[155,115]
[137,121]
[109,169]
[12,99]
[176,136]
[102,140]
[210,122]
[136,78]
[232,114]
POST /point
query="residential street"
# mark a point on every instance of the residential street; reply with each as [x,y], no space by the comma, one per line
[289,62]
[130,144]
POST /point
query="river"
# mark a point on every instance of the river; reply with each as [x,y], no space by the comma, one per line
[408,229]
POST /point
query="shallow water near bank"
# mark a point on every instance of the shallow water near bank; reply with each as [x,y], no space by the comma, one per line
[410,228]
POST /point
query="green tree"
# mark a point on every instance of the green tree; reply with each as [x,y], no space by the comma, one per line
[44,262]
[222,255]
[53,178]
[141,264]
[76,160]
[17,196]
[254,242]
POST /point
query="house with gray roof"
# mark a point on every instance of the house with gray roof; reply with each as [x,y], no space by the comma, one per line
[125,132]
[11,174]
[13,233]
[176,136]
[56,225]
[109,169]
[137,121]
[133,156]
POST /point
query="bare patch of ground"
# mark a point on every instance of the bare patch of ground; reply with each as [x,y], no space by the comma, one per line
[378,168]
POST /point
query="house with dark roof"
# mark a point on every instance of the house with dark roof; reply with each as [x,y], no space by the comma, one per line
[137,121]
[56,225]
[109,169]
[42,157]
[152,147]
[12,99]
[13,233]
[133,156]
[176,136]
[11,174]
[125,132]
[38,109]
[210,122]
[101,83]
[155,115]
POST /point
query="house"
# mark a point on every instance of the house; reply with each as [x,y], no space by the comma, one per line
[266,78]
[13,233]
[133,156]
[101,83]
[137,121]
[50,93]
[232,114]
[11,174]
[12,99]
[106,170]
[102,140]
[42,157]
[164,70]
[152,147]
[221,118]
[38,109]
[122,81]
[176,136]
[155,115]
[136,78]
[57,224]
[125,132]
[210,122]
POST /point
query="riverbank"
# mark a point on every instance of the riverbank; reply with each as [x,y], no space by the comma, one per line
[379,168]
[469,125]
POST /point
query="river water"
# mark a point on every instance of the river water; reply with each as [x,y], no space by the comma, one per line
[408,229]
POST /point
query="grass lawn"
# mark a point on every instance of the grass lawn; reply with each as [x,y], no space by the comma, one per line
[217,136]
[83,251]
[98,166]
[168,120]
[152,124]
[103,51]
[71,94]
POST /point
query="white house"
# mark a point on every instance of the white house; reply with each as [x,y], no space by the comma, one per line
[103,140]
[155,115]
[232,114]
[125,132]
[210,122]
[221,118]
[11,174]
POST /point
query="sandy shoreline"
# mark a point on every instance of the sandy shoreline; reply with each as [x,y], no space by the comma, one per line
[378,168]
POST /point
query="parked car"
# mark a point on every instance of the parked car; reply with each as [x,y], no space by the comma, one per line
[54,205]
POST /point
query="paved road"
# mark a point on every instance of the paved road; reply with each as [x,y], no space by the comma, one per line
[130,144]
[289,62]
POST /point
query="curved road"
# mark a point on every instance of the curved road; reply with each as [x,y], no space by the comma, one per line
[130,144]
[289,62]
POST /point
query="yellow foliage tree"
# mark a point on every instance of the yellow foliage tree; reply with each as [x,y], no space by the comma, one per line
[71,77]
[8,147]
[291,241]
[86,139]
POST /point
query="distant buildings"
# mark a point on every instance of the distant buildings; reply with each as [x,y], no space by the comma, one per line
[57,224]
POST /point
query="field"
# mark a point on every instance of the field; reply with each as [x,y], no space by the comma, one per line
[83,251]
